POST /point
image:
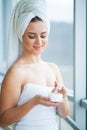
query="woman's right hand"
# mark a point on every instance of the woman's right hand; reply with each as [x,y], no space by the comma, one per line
[39,99]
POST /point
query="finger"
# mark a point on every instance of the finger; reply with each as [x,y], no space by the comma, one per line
[61,89]
[55,86]
[55,83]
[54,89]
[45,98]
[54,103]
[50,103]
[47,102]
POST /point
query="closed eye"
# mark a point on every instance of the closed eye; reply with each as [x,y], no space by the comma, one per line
[43,36]
[31,37]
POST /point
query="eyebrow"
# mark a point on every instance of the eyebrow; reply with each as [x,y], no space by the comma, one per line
[35,33]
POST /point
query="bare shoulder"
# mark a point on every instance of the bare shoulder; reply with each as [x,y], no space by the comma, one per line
[13,77]
[53,66]
[57,72]
[14,73]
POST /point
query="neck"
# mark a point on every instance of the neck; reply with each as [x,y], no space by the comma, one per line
[31,58]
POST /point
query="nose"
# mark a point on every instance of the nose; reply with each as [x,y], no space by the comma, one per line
[39,40]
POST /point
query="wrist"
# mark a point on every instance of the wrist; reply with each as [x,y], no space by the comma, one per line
[65,96]
[36,100]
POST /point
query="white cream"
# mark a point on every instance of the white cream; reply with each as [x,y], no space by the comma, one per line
[56,97]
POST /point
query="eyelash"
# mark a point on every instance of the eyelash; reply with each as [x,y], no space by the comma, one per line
[34,37]
[30,37]
[43,36]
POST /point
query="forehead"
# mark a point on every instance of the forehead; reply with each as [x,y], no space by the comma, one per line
[37,26]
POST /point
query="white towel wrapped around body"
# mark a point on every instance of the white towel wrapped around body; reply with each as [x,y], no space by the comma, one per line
[21,16]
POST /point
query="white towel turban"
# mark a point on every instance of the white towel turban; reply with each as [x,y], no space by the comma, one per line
[22,14]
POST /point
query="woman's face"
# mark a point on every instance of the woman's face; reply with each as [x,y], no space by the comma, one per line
[35,38]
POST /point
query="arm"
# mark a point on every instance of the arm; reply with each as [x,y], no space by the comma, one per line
[10,93]
[63,108]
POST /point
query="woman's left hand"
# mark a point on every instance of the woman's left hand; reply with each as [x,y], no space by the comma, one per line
[61,89]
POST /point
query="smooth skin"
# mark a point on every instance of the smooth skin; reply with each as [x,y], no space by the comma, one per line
[30,68]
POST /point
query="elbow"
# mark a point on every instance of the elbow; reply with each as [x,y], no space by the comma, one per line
[3,125]
[65,115]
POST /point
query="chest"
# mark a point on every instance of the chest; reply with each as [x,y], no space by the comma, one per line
[42,75]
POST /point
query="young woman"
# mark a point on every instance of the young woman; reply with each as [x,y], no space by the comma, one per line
[25,89]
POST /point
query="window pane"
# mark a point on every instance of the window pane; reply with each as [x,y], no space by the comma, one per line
[60,47]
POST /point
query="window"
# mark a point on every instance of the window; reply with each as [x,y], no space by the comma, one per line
[60,46]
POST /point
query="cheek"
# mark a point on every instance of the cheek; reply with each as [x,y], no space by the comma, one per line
[27,44]
[46,41]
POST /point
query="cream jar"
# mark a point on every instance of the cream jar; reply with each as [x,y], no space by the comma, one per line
[56,97]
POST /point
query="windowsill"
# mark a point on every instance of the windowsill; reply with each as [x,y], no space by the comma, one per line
[83,103]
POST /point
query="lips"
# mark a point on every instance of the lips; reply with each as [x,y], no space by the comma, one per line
[37,47]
